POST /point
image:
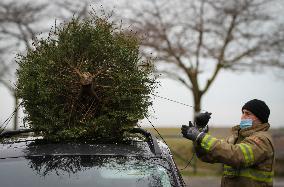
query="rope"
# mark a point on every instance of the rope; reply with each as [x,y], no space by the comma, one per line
[156,130]
[174,101]
[171,100]
[7,121]
[165,98]
[189,162]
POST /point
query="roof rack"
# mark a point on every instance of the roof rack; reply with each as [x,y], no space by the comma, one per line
[153,143]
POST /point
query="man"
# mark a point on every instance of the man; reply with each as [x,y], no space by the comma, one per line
[247,155]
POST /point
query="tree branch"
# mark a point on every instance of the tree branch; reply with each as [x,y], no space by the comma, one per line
[169,45]
[176,77]
[200,34]
[220,62]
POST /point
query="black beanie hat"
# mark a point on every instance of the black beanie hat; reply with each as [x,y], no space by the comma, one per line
[259,109]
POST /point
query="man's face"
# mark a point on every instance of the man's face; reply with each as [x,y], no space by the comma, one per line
[248,115]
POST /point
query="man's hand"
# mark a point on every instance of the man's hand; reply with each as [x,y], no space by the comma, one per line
[191,132]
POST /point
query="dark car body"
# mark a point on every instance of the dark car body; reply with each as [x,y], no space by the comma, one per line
[31,161]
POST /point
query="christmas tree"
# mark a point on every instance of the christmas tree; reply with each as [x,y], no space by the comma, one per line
[85,81]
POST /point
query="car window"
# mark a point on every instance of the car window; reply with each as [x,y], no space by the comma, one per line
[85,171]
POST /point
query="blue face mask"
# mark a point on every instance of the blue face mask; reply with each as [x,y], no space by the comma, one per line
[245,123]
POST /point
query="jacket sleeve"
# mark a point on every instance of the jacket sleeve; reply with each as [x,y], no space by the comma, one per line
[202,154]
[250,151]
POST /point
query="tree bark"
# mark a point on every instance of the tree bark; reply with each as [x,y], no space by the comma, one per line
[197,107]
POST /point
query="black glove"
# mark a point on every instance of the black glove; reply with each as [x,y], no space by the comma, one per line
[201,121]
[205,129]
[192,133]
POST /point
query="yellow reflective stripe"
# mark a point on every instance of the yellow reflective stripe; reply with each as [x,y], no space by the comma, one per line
[228,170]
[247,152]
[213,140]
[204,140]
[251,153]
[207,142]
[257,175]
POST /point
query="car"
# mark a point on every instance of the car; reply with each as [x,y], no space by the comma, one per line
[28,160]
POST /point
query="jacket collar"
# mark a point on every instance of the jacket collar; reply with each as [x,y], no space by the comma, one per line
[236,130]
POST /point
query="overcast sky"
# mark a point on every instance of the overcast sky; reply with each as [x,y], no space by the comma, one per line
[224,99]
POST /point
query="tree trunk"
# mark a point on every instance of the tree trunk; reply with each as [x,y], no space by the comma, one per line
[197,101]
[197,107]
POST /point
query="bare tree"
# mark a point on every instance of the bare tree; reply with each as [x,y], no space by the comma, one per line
[197,38]
[18,26]
[67,8]
[20,23]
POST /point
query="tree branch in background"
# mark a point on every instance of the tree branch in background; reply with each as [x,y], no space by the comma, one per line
[215,34]
[21,22]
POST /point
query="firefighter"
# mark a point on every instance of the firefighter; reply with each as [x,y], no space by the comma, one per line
[247,155]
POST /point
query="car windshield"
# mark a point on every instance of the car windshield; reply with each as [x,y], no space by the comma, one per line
[82,171]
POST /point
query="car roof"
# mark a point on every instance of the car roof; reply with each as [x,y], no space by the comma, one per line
[14,144]
[36,148]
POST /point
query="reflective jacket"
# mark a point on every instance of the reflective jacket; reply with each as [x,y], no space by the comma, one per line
[247,155]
